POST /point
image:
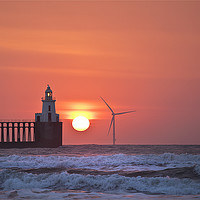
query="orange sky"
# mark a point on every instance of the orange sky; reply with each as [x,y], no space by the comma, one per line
[141,55]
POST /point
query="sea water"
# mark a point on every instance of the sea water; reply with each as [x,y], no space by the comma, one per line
[101,171]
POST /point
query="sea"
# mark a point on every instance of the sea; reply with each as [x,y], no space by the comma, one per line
[101,172]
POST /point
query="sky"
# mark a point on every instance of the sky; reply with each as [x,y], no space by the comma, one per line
[137,55]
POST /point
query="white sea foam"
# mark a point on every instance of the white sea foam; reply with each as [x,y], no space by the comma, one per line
[12,180]
[71,194]
[197,169]
[15,180]
[111,162]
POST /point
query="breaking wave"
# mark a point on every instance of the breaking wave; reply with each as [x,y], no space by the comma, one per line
[149,174]
[111,162]
[11,180]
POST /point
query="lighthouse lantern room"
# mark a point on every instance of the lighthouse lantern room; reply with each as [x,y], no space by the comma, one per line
[48,108]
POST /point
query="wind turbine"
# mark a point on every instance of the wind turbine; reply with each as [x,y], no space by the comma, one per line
[113,119]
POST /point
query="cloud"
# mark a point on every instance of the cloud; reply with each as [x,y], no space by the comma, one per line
[57,42]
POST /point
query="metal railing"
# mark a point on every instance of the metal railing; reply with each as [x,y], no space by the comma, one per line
[17,120]
[17,131]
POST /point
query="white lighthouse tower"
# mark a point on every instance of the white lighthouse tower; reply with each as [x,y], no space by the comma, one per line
[48,108]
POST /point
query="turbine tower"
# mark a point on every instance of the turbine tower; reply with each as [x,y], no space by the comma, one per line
[113,119]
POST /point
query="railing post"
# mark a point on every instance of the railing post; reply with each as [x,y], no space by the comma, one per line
[13,132]
[2,133]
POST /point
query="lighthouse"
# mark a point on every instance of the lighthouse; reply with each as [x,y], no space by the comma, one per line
[48,129]
[45,132]
[48,108]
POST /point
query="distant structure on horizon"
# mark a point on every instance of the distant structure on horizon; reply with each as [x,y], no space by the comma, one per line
[46,131]
[112,123]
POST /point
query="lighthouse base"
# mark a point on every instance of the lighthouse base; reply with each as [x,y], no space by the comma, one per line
[48,134]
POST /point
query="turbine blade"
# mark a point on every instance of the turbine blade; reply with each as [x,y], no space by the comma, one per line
[110,126]
[107,105]
[125,112]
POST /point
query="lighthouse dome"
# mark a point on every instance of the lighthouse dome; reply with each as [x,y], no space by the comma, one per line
[48,93]
[48,89]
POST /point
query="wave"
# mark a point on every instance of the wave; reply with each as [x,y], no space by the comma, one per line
[166,173]
[184,172]
[13,180]
[100,162]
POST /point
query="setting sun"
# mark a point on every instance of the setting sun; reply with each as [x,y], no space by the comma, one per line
[80,123]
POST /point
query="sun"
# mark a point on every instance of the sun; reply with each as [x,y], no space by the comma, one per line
[80,123]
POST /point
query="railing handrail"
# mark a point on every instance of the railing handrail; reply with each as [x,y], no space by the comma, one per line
[17,120]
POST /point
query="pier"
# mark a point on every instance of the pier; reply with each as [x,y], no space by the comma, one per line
[30,134]
[17,132]
[44,131]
